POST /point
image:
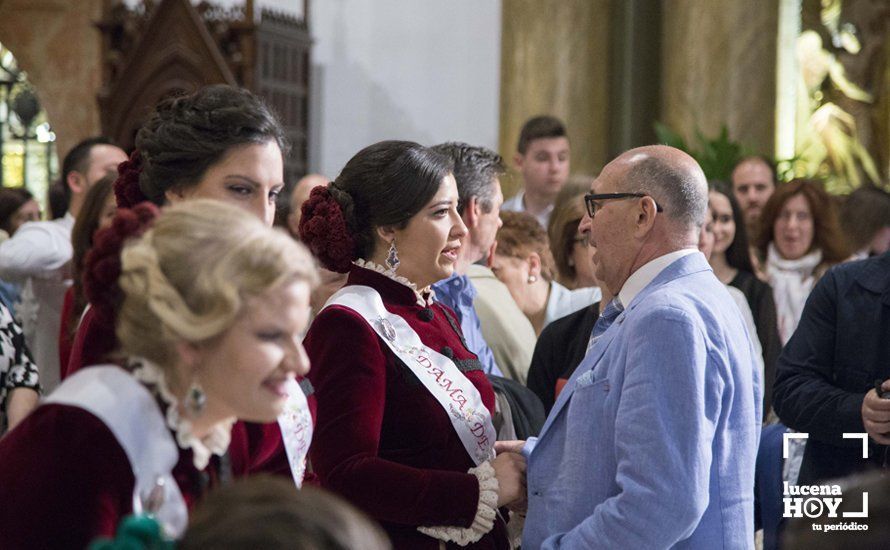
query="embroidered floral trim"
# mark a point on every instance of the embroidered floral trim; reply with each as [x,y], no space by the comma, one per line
[421,300]
[214,443]
[486,511]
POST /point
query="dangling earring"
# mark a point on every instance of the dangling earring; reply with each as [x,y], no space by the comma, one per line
[392,259]
[195,399]
[532,279]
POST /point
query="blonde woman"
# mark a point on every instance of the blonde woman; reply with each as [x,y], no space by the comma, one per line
[213,307]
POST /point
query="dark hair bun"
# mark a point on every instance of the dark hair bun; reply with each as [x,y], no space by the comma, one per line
[324,228]
[102,265]
[127,193]
[188,134]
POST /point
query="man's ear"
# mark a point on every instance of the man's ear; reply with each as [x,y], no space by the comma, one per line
[518,159]
[646,215]
[472,211]
[76,182]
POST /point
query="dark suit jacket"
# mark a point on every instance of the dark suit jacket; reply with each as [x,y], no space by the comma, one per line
[841,346]
[559,350]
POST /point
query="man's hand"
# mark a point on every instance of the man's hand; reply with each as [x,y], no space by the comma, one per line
[514,446]
[876,415]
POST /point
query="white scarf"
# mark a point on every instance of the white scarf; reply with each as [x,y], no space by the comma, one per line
[792,282]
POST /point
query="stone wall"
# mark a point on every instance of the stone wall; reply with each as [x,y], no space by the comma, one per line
[57,44]
[719,67]
[554,60]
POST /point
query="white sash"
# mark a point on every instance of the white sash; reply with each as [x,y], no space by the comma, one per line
[296,430]
[439,375]
[130,411]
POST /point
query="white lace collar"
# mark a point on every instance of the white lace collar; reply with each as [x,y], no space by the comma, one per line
[425,296]
[216,442]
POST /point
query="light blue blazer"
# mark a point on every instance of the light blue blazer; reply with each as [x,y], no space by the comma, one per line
[652,442]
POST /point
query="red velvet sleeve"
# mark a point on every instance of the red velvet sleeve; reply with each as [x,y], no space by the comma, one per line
[93,341]
[349,373]
[64,480]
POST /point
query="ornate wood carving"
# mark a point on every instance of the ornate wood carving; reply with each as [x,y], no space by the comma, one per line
[160,47]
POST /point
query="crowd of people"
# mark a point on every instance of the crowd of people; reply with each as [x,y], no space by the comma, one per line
[412,361]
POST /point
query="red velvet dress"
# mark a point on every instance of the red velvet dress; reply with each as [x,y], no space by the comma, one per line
[255,448]
[381,439]
[65,480]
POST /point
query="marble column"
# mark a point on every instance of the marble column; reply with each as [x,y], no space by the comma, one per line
[554,60]
[719,68]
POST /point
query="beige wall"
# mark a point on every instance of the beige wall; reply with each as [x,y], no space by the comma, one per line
[719,67]
[58,45]
[554,61]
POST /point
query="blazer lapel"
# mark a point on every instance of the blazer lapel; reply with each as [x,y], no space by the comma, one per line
[589,362]
[686,265]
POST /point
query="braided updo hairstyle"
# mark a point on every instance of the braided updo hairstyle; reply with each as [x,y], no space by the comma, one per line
[384,184]
[188,134]
[188,277]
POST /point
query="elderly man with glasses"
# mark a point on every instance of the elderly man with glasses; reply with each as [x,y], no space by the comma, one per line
[652,442]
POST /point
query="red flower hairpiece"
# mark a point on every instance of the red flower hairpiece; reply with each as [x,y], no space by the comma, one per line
[127,192]
[324,230]
[102,265]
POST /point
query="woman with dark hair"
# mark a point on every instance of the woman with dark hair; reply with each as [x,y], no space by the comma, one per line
[218,143]
[404,427]
[17,206]
[97,212]
[798,240]
[731,262]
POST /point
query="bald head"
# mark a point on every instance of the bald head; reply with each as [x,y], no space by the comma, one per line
[298,196]
[673,178]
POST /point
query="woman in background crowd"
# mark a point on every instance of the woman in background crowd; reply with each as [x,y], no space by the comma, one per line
[17,206]
[571,255]
[523,262]
[413,452]
[97,212]
[799,239]
[212,310]
[731,262]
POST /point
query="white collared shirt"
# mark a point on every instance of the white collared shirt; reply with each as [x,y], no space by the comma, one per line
[39,254]
[640,278]
[516,203]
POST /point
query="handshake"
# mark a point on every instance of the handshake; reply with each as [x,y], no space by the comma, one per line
[509,469]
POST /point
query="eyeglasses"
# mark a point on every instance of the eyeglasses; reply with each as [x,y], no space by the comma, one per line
[591,198]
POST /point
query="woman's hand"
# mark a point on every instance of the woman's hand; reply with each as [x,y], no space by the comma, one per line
[509,469]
